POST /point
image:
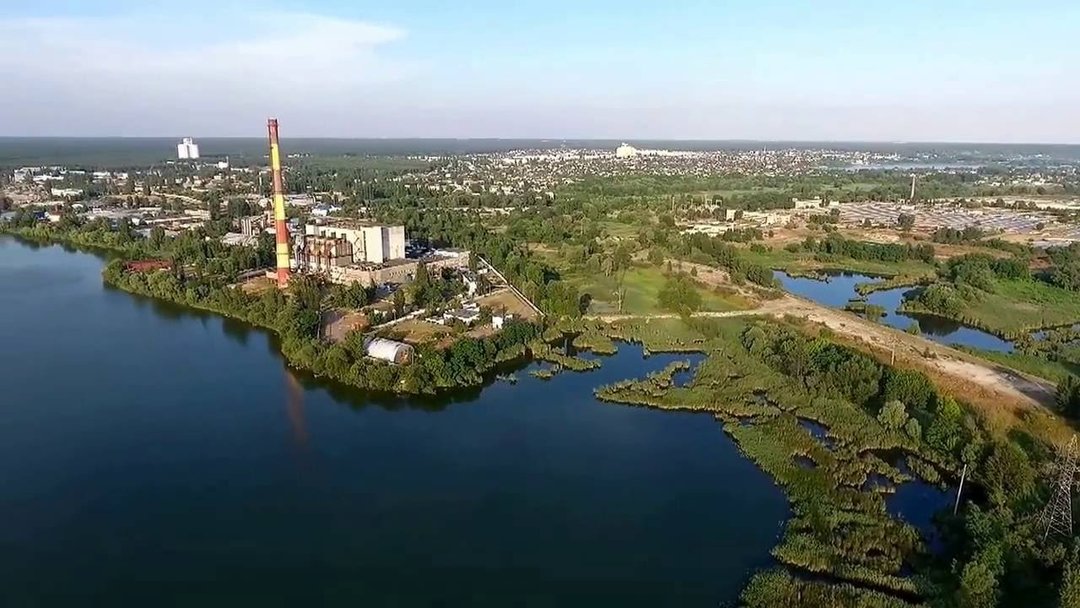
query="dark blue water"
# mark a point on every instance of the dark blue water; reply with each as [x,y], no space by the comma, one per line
[150,456]
[840,288]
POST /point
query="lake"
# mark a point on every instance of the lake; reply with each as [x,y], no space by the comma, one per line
[840,288]
[150,455]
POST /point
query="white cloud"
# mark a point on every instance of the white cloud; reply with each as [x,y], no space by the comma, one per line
[137,76]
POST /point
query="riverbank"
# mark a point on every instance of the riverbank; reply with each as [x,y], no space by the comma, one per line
[469,363]
[1013,308]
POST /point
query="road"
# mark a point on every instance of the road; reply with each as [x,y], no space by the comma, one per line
[975,379]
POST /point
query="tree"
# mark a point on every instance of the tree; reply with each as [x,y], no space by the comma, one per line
[978,587]
[1070,584]
[1068,397]
[679,294]
[399,302]
[906,221]
[1008,473]
[893,415]
[913,429]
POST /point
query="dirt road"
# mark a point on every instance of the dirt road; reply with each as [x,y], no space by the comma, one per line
[980,381]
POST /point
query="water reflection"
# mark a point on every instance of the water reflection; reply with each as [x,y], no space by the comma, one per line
[839,289]
[294,406]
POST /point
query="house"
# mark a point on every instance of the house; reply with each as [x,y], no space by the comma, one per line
[468,314]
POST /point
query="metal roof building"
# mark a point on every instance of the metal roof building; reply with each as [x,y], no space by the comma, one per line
[389,350]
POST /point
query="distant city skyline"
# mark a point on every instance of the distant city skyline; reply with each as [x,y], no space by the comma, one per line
[920,71]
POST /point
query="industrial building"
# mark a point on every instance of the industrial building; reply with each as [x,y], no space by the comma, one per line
[366,243]
[187,149]
[349,251]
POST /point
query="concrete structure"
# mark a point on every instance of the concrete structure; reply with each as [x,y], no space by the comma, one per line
[66,192]
[468,314]
[388,350]
[281,231]
[187,149]
[626,151]
[252,225]
[809,203]
[369,243]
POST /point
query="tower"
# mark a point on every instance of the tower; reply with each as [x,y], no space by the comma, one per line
[1057,516]
[912,197]
[281,230]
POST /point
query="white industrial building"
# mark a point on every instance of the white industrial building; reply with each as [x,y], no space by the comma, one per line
[626,151]
[369,243]
[187,149]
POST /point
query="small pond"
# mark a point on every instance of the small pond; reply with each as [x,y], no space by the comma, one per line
[839,288]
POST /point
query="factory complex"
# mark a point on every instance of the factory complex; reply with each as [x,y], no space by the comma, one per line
[370,253]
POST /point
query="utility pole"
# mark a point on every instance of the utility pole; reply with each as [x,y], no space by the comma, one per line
[963,475]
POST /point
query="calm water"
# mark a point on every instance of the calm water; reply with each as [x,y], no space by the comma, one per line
[840,288]
[150,456]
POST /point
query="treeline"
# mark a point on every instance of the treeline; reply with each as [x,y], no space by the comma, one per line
[713,251]
[962,280]
[194,251]
[297,319]
[1066,272]
[834,246]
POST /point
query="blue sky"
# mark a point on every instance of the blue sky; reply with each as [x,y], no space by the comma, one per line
[827,70]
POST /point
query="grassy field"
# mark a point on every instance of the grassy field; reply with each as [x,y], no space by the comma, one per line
[507,300]
[1019,306]
[642,285]
[782,259]
[416,331]
[1055,371]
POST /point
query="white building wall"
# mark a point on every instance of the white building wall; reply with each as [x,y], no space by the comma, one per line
[395,239]
[373,244]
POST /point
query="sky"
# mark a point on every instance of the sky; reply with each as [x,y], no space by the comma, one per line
[825,70]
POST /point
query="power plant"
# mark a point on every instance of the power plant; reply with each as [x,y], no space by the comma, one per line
[281,229]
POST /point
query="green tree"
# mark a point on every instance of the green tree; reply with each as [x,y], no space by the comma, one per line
[1070,584]
[679,294]
[893,415]
[1068,397]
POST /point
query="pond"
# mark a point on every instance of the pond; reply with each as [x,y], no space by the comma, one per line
[840,288]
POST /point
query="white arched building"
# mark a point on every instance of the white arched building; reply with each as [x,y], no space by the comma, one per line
[388,350]
[625,151]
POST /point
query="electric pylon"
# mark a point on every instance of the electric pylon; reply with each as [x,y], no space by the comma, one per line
[1057,517]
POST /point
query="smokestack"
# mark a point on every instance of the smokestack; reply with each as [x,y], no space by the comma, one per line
[280,228]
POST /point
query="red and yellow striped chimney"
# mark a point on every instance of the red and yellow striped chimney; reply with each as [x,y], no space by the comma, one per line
[281,229]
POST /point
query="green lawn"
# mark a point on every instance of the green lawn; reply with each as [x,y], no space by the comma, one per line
[642,285]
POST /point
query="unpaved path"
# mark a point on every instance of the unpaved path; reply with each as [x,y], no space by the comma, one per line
[962,373]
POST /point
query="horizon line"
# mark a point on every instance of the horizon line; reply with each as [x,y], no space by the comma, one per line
[628,140]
